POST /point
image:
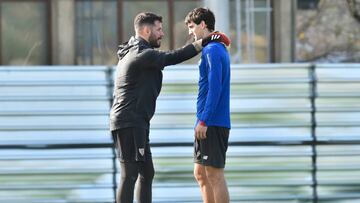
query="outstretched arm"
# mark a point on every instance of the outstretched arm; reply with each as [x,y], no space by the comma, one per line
[161,59]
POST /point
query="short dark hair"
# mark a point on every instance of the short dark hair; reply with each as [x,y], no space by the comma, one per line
[201,14]
[146,18]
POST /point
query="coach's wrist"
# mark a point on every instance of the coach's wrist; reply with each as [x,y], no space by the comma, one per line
[198,45]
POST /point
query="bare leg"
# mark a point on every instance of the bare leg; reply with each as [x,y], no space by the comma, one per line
[205,186]
[216,178]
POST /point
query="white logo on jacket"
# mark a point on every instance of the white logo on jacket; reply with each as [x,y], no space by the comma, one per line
[215,37]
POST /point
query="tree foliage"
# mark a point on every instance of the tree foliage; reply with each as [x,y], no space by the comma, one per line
[354,6]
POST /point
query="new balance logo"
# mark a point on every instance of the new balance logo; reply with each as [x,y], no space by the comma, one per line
[213,37]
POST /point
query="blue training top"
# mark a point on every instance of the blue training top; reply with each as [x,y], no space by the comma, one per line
[213,102]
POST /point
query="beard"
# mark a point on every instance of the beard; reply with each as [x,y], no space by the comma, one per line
[154,41]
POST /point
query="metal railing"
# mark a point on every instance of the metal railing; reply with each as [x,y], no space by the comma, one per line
[295,134]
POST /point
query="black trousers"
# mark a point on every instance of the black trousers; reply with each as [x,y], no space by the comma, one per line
[133,149]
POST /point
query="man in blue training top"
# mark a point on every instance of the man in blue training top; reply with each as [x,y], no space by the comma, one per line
[213,109]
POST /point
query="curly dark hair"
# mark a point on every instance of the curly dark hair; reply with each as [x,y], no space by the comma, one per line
[201,14]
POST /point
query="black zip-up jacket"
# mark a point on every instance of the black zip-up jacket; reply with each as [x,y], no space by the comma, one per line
[139,80]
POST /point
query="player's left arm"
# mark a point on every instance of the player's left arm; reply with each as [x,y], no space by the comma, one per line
[213,62]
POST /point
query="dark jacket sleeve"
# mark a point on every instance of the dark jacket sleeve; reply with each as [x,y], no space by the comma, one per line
[160,59]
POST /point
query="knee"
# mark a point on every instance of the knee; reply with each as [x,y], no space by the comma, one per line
[129,177]
[128,173]
[200,176]
[147,174]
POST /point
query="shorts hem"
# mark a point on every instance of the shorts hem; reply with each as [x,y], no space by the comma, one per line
[209,164]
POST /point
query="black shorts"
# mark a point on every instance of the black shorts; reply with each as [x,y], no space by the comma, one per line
[212,150]
[132,144]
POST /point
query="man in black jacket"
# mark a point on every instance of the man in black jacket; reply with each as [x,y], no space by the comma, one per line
[137,86]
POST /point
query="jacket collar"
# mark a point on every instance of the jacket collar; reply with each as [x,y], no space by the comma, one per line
[143,42]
